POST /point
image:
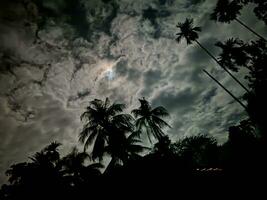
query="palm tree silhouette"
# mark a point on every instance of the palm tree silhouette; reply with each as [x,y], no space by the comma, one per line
[164,148]
[103,120]
[150,119]
[123,149]
[75,170]
[233,54]
[73,163]
[189,33]
[48,157]
[226,11]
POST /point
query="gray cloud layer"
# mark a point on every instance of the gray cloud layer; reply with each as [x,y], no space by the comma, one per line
[45,84]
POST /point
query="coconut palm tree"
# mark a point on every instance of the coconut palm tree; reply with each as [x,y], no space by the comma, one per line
[189,33]
[103,120]
[226,11]
[233,54]
[73,163]
[150,119]
[123,149]
[48,157]
[74,169]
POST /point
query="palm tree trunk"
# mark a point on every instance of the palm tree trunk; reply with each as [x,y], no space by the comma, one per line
[251,30]
[233,96]
[213,57]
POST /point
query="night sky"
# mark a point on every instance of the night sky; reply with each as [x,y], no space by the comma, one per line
[121,49]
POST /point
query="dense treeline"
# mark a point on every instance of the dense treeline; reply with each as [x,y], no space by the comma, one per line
[113,134]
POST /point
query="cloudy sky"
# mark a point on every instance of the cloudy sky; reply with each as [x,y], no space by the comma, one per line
[121,49]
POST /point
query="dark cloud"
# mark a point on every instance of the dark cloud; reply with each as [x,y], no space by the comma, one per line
[151,77]
[207,97]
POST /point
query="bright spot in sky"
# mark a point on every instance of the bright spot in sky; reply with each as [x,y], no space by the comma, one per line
[109,74]
[106,69]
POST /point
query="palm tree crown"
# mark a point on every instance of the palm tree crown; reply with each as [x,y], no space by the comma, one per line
[103,121]
[125,148]
[226,11]
[233,53]
[149,119]
[187,31]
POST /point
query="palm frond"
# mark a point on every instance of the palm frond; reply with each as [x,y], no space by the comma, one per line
[140,123]
[90,131]
[135,134]
[53,146]
[107,103]
[135,148]
[179,38]
[197,29]
[161,123]
[115,108]
[97,103]
[136,112]
[160,111]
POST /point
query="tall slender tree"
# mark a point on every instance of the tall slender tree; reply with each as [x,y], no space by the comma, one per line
[189,33]
[150,119]
[226,11]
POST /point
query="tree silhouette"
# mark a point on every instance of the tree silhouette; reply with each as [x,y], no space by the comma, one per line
[149,119]
[123,149]
[243,152]
[49,156]
[102,123]
[164,148]
[41,176]
[233,54]
[75,170]
[261,10]
[226,11]
[189,33]
[198,151]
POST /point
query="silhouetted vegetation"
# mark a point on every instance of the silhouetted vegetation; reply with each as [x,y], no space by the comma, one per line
[119,137]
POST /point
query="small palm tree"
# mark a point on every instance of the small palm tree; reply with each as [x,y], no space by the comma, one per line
[75,170]
[226,11]
[102,122]
[73,163]
[48,157]
[189,33]
[149,119]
